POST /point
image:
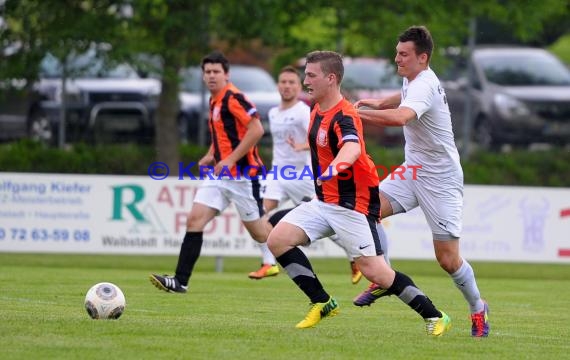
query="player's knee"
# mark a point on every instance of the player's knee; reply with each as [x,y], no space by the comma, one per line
[272,242]
[195,222]
[449,262]
[278,242]
[385,206]
[259,236]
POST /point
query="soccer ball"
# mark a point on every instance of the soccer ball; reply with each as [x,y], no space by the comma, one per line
[105,301]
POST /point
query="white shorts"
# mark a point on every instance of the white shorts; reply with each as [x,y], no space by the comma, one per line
[282,189]
[356,232]
[440,198]
[245,194]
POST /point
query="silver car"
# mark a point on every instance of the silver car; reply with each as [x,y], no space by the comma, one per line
[519,95]
[256,83]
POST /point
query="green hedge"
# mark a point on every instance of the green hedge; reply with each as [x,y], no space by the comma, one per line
[522,168]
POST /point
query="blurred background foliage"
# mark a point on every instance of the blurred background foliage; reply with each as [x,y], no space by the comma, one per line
[270,33]
[521,168]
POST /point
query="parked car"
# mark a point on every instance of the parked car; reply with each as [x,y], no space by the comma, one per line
[373,78]
[15,103]
[102,103]
[369,78]
[365,78]
[256,83]
[519,95]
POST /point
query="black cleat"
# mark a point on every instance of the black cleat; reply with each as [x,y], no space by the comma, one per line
[168,283]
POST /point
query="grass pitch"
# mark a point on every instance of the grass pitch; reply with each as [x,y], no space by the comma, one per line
[228,316]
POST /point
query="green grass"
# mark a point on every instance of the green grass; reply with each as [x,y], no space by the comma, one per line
[227,316]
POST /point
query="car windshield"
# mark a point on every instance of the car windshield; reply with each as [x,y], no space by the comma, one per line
[86,66]
[370,75]
[538,69]
[246,78]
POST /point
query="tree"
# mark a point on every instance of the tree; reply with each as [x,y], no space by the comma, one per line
[180,32]
[176,33]
[63,28]
[367,28]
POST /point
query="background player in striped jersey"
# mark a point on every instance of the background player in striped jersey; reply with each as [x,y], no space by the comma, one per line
[235,130]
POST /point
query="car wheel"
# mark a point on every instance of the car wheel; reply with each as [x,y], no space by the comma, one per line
[188,128]
[183,128]
[101,136]
[41,130]
[483,135]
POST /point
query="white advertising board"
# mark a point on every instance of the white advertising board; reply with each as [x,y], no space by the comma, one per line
[138,215]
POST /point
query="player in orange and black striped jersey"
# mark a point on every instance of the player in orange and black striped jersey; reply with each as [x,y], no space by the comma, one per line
[233,160]
[347,203]
[355,187]
[230,114]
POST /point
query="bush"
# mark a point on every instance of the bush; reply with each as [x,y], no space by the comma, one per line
[521,168]
[29,156]
[528,168]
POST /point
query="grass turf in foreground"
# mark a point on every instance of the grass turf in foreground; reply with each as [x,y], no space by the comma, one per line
[227,315]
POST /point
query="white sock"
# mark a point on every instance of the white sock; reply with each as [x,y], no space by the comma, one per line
[464,280]
[268,257]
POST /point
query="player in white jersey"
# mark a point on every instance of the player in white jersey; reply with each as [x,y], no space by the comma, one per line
[433,177]
[289,124]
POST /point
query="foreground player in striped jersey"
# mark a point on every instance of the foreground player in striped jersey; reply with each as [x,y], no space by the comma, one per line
[347,203]
[289,124]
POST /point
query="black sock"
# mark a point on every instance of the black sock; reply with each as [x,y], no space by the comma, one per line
[189,254]
[299,269]
[410,294]
[275,218]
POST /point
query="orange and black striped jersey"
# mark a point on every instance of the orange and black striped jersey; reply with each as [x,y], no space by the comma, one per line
[356,187]
[230,113]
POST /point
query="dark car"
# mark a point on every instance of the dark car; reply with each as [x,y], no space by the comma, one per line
[103,102]
[518,95]
[256,83]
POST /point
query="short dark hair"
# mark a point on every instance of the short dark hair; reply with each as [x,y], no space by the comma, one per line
[331,62]
[216,57]
[290,69]
[421,38]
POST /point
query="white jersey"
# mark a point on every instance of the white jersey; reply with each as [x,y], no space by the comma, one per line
[292,122]
[429,137]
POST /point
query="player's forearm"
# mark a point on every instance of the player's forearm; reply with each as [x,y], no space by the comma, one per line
[251,138]
[347,155]
[302,147]
[387,117]
[391,102]
[208,158]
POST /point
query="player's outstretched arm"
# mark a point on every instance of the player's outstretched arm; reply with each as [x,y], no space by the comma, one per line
[389,117]
[390,102]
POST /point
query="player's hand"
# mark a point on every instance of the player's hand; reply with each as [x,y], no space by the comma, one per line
[208,159]
[224,164]
[371,103]
[296,146]
[331,172]
[291,142]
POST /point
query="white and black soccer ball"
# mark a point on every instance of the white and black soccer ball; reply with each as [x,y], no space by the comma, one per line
[105,301]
